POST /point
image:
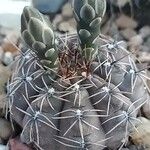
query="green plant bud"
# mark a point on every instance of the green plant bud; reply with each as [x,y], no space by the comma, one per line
[88,14]
[38,34]
[96,22]
[28,38]
[35,28]
[84,34]
[48,37]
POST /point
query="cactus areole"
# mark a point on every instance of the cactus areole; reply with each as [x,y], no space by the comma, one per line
[75,92]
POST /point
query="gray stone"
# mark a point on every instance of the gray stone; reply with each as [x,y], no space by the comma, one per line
[4,75]
[1,53]
[142,137]
[128,33]
[145,31]
[147,42]
[8,58]
[145,48]
[5,129]
[67,11]
[136,41]
[48,6]
[57,20]
[65,26]
[144,57]
[119,3]
[126,22]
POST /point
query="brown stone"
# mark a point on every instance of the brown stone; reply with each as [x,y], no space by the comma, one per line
[16,144]
[5,129]
[9,42]
[142,137]
[126,22]
[3,100]
[4,76]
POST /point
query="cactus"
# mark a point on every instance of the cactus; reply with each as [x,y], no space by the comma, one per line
[80,92]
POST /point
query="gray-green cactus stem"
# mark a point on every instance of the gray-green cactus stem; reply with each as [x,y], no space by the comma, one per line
[88,14]
[38,34]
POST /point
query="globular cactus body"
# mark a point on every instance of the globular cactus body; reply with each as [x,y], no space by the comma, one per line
[83,95]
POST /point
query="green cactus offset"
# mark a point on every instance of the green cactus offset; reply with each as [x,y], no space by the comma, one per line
[82,91]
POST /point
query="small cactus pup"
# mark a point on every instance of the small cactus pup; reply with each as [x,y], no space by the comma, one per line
[82,91]
[88,14]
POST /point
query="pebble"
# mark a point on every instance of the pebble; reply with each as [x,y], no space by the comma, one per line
[142,137]
[145,31]
[48,6]
[120,3]
[145,48]
[126,22]
[2,105]
[16,144]
[65,26]
[128,33]
[136,41]
[67,11]
[1,53]
[73,23]
[5,129]
[10,40]
[144,57]
[57,20]
[7,58]
[147,42]
[4,75]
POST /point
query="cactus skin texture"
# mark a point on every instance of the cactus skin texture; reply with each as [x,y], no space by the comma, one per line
[82,92]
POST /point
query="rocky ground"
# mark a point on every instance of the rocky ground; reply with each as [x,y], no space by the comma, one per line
[119,23]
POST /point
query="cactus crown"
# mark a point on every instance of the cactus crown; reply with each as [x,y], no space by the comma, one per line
[80,92]
[38,34]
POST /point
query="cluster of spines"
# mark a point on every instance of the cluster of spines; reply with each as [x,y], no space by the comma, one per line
[75,88]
